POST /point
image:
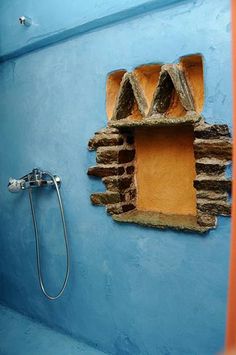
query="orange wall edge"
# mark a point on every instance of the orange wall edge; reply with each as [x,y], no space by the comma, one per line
[231,315]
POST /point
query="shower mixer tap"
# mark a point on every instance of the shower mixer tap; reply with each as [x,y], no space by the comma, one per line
[36,178]
[39,178]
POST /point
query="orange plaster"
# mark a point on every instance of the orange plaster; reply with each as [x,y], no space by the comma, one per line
[148,77]
[176,109]
[112,89]
[193,69]
[165,170]
[231,317]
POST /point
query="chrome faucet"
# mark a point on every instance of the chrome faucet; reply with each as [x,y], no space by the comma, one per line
[36,178]
[39,178]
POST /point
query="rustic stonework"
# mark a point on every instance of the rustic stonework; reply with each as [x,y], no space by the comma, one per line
[115,149]
[115,159]
[171,78]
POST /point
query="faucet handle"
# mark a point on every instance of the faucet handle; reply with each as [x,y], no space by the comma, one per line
[15,185]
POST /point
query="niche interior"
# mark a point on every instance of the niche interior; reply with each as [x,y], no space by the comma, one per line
[161,163]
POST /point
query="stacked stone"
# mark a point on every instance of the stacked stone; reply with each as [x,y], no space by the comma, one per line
[115,165]
[213,152]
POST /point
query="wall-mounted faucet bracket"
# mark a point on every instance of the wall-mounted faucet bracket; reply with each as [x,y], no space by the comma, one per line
[36,178]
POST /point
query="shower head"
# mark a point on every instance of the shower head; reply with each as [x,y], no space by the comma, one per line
[15,185]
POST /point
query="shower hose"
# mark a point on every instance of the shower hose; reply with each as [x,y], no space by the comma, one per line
[36,233]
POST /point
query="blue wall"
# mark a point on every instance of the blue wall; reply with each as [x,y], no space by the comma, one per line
[132,290]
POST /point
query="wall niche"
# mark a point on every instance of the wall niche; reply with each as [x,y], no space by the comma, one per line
[162,165]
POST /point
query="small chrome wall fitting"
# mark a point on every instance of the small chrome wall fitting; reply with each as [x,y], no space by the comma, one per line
[26,21]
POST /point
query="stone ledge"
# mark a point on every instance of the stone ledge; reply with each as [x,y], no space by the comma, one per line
[162,221]
[155,121]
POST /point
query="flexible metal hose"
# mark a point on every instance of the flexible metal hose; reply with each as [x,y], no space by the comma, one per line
[41,282]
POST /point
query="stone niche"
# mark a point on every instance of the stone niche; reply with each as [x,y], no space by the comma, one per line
[161,163]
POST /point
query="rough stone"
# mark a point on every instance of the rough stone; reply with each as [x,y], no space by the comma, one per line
[128,195]
[105,198]
[206,220]
[206,131]
[128,207]
[125,99]
[156,120]
[130,139]
[180,85]
[118,183]
[114,209]
[107,156]
[126,155]
[129,93]
[212,195]
[138,93]
[216,148]
[102,140]
[104,170]
[107,130]
[205,183]
[160,220]
[120,208]
[130,169]
[210,166]
[163,94]
[214,208]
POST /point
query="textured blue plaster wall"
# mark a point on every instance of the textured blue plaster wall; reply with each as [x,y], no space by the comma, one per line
[132,290]
[58,20]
